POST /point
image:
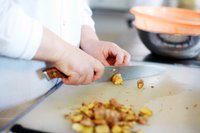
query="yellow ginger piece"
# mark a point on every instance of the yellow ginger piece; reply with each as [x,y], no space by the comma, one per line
[116,129]
[83,109]
[140,131]
[77,127]
[142,120]
[87,122]
[108,117]
[140,84]
[145,111]
[125,109]
[76,117]
[82,129]
[117,79]
[102,129]
[86,111]
[88,130]
[126,129]
[90,106]
[130,117]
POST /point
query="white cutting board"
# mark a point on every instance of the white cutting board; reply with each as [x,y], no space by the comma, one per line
[174,99]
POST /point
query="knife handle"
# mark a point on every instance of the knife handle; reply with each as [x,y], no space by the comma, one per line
[52,72]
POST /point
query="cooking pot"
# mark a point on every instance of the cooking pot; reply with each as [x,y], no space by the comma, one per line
[169,32]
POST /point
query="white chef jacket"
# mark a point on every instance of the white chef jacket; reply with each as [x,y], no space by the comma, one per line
[21,31]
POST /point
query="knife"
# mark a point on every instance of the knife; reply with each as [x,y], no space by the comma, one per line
[127,72]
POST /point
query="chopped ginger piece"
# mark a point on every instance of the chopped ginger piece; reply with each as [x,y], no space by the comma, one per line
[140,131]
[77,127]
[117,79]
[87,122]
[86,111]
[108,117]
[145,111]
[88,130]
[126,129]
[91,105]
[76,118]
[82,129]
[116,129]
[102,129]
[140,84]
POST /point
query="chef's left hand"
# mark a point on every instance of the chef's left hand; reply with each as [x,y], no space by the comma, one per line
[110,54]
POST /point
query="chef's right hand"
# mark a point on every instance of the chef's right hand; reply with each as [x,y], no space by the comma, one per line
[80,67]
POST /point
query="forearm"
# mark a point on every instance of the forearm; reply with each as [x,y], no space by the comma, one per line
[87,34]
[51,48]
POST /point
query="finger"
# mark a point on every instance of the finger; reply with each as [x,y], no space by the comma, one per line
[89,78]
[105,62]
[82,79]
[98,71]
[72,79]
[119,58]
[127,58]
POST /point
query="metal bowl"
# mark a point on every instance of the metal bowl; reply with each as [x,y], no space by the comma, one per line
[170,45]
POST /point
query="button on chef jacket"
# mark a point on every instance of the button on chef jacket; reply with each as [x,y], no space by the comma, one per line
[21,31]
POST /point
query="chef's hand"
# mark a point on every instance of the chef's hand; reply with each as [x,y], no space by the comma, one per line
[80,67]
[106,52]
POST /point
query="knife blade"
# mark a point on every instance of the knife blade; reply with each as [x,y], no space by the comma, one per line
[131,72]
[127,72]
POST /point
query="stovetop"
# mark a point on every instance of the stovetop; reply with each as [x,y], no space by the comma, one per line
[132,43]
[195,62]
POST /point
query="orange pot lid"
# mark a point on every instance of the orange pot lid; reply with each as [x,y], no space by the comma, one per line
[167,20]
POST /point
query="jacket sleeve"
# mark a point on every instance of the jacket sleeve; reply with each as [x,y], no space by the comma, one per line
[87,15]
[20,35]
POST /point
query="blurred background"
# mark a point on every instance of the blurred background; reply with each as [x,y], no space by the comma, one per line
[113,22]
[126,4]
